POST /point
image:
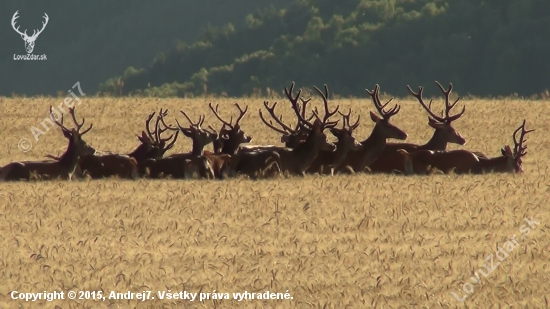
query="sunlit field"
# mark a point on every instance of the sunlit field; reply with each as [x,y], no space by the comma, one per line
[361,241]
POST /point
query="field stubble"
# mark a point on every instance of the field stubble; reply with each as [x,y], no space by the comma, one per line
[358,241]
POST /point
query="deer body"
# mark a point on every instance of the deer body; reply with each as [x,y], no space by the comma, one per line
[372,147]
[63,167]
[464,161]
[390,160]
[127,166]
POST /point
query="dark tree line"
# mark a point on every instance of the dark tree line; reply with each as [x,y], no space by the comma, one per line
[484,47]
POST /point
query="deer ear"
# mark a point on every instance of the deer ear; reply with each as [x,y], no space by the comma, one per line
[503,152]
[334,132]
[374,117]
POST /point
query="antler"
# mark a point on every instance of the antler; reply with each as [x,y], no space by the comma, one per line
[285,128]
[197,124]
[328,113]
[375,95]
[34,33]
[296,107]
[346,123]
[78,125]
[161,142]
[241,113]
[448,106]
[15,16]
[519,148]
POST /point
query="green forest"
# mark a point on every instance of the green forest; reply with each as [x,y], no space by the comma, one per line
[484,47]
[92,41]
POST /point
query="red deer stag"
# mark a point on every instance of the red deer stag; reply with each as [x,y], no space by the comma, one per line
[463,161]
[64,167]
[390,160]
[291,137]
[178,165]
[372,147]
[326,161]
[297,160]
[230,140]
[126,166]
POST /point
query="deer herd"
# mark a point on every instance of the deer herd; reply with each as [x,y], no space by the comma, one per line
[306,148]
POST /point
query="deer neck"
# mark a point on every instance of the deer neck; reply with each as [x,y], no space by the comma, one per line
[69,160]
[140,153]
[342,150]
[198,148]
[436,142]
[230,147]
[372,147]
[308,150]
[497,164]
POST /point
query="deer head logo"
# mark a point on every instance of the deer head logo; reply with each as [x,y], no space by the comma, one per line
[29,40]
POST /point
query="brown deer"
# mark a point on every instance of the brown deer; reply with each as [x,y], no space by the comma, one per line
[126,166]
[64,167]
[297,160]
[390,160]
[230,139]
[259,164]
[372,147]
[175,165]
[326,161]
[463,161]
[510,161]
[291,137]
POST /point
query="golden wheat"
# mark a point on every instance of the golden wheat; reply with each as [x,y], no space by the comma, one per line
[359,241]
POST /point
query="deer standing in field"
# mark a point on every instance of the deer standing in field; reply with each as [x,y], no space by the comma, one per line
[327,161]
[180,165]
[126,165]
[64,167]
[464,161]
[372,147]
[390,160]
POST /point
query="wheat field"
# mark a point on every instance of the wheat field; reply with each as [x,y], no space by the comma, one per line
[361,241]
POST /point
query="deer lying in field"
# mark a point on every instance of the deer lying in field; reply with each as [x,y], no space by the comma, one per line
[230,139]
[464,161]
[258,164]
[291,137]
[183,165]
[126,166]
[63,167]
[297,160]
[327,161]
[372,147]
[390,160]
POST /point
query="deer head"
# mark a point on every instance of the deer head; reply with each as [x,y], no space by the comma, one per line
[318,126]
[442,124]
[383,123]
[29,40]
[74,135]
[232,136]
[345,134]
[514,157]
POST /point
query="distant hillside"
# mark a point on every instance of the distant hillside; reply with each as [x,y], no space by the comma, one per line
[489,47]
[91,41]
